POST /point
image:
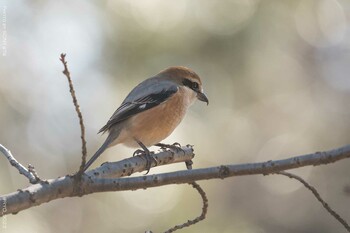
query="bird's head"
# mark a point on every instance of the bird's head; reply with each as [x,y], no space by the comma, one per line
[187,78]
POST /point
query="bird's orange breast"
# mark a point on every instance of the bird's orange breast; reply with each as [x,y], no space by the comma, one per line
[155,124]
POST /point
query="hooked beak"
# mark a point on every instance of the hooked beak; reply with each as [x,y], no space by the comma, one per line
[202,97]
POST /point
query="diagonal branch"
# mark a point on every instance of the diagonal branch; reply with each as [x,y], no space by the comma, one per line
[29,173]
[318,197]
[77,109]
[64,186]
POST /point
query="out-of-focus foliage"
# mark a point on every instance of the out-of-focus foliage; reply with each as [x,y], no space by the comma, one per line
[276,73]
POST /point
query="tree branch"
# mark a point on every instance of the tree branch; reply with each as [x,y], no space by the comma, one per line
[30,173]
[80,116]
[126,167]
[318,197]
[64,186]
[200,217]
[203,195]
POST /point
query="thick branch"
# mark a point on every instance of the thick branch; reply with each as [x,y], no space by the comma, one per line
[129,166]
[63,187]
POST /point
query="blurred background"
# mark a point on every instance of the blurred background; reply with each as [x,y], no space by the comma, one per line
[276,73]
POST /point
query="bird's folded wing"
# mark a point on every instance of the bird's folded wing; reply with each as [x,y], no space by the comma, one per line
[146,95]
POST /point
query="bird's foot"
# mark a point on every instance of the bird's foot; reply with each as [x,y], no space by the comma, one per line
[175,146]
[138,152]
[148,156]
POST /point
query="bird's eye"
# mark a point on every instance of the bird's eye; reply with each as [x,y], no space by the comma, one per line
[195,85]
[192,85]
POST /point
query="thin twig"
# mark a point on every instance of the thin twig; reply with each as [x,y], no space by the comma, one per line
[201,192]
[32,177]
[77,109]
[318,197]
[32,170]
[199,218]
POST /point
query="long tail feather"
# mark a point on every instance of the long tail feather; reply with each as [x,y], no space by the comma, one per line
[97,154]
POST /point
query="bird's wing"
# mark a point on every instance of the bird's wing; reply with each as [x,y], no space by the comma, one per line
[144,96]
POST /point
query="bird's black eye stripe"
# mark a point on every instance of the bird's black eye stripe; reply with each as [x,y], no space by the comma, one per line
[188,83]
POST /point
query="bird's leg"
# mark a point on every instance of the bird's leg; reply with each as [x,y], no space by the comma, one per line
[175,146]
[145,153]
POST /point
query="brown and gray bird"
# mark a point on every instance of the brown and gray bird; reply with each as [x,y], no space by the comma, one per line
[152,110]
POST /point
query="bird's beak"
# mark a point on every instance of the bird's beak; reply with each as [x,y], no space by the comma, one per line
[202,97]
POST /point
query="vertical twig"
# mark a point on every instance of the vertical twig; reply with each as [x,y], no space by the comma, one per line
[77,109]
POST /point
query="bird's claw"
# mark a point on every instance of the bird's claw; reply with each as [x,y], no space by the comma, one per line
[138,152]
[148,156]
[149,159]
[175,146]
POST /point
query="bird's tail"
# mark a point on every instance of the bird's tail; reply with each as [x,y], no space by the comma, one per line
[97,154]
[113,135]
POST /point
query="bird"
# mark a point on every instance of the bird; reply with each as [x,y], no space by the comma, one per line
[151,112]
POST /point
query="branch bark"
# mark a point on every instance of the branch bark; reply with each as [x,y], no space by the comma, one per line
[126,167]
[92,181]
[30,173]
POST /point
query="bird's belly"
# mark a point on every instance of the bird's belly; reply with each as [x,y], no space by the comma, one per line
[155,124]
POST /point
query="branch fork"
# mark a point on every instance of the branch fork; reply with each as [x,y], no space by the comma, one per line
[30,173]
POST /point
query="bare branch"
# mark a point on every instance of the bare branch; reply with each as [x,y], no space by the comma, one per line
[32,170]
[32,176]
[200,217]
[77,109]
[203,195]
[129,166]
[64,186]
[318,197]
